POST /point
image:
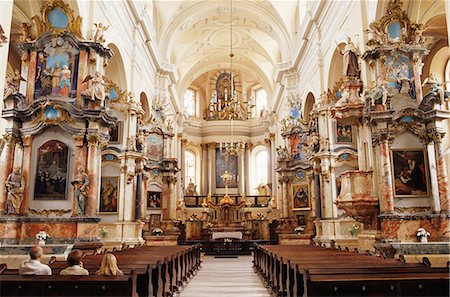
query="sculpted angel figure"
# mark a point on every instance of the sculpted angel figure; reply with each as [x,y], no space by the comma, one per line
[81,189]
[12,83]
[99,32]
[436,87]
[378,92]
[25,32]
[96,89]
[13,185]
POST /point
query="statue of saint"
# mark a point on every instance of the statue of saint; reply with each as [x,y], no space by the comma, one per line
[96,89]
[56,77]
[13,185]
[191,189]
[351,54]
[64,84]
[81,189]
[436,87]
[12,83]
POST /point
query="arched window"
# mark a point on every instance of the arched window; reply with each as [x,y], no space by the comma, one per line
[189,102]
[190,167]
[261,170]
[260,101]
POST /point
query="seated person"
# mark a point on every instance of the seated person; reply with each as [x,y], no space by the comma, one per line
[75,264]
[34,265]
[109,266]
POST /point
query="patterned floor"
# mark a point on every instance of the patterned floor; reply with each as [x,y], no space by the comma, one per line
[225,277]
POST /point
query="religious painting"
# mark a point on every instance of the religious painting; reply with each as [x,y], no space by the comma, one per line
[155,146]
[153,200]
[154,220]
[300,196]
[343,134]
[397,65]
[301,220]
[225,163]
[410,172]
[115,133]
[51,171]
[109,193]
[296,144]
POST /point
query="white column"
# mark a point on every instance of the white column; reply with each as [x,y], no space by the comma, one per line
[248,149]
[211,168]
[204,167]
[242,168]
[433,177]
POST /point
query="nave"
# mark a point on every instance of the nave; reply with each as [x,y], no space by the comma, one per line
[223,276]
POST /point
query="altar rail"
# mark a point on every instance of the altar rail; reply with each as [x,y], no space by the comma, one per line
[221,247]
[255,200]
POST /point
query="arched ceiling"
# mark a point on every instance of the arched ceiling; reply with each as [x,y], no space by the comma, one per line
[195,36]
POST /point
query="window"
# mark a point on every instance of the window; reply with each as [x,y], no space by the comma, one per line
[260,101]
[190,167]
[261,163]
[189,102]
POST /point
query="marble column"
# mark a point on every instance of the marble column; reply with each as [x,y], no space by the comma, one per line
[10,149]
[386,186]
[211,167]
[93,170]
[248,149]
[83,71]
[269,161]
[204,170]
[285,197]
[173,200]
[433,177]
[242,175]
[31,77]
[442,177]
[27,141]
[334,193]
[183,182]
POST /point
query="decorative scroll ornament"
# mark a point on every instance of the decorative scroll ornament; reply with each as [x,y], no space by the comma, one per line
[52,114]
[47,212]
[58,17]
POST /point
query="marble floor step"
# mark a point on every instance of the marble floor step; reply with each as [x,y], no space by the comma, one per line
[225,277]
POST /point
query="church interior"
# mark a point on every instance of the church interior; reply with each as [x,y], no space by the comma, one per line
[284,148]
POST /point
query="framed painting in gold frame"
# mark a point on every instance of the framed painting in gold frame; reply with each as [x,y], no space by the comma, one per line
[300,197]
[410,173]
[109,195]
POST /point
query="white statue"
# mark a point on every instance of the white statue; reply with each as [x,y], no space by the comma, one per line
[379,92]
[351,54]
[96,89]
[99,32]
[436,87]
[13,185]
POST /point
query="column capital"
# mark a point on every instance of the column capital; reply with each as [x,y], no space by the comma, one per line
[93,140]
[432,135]
[27,140]
[79,139]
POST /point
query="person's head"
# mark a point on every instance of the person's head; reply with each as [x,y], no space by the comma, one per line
[36,253]
[74,257]
[109,265]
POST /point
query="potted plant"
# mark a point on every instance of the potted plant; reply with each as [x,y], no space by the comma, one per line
[157,232]
[422,234]
[41,237]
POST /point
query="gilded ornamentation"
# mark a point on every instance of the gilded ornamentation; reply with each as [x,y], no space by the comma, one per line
[51,114]
[58,17]
[25,32]
[3,38]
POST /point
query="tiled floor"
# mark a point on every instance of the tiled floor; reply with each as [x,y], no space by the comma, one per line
[225,277]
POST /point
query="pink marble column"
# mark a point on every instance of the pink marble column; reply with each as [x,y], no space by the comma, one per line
[82,73]
[165,198]
[442,177]
[93,170]
[27,141]
[387,193]
[31,77]
[7,169]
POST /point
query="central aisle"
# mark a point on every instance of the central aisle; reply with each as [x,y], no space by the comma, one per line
[225,277]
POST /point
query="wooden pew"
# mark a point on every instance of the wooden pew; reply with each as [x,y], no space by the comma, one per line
[309,270]
[56,285]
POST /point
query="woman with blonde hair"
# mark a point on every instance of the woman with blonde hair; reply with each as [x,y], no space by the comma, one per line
[109,266]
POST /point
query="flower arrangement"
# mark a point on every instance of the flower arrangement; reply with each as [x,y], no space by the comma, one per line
[354,230]
[41,237]
[299,229]
[157,232]
[102,232]
[422,234]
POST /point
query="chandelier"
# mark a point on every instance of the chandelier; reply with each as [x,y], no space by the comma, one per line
[232,108]
[229,106]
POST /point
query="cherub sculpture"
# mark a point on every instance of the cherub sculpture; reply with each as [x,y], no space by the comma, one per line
[96,89]
[379,92]
[25,32]
[99,32]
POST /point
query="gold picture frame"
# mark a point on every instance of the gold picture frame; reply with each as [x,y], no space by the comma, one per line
[109,195]
[410,173]
[301,199]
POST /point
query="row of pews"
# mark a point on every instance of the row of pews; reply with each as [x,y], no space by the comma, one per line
[148,271]
[318,271]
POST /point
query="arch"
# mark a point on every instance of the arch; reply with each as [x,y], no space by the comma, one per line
[336,66]
[245,9]
[308,106]
[256,169]
[116,69]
